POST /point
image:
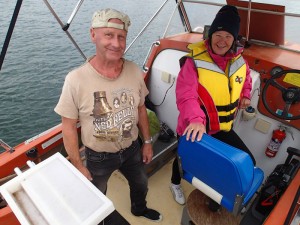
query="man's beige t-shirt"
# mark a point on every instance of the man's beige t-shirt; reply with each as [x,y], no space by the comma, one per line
[107,108]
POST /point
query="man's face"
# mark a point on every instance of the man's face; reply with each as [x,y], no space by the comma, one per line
[110,42]
[221,42]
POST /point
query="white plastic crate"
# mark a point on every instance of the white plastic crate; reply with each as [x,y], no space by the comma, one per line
[54,192]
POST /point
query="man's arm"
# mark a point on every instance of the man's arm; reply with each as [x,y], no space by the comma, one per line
[70,138]
[144,128]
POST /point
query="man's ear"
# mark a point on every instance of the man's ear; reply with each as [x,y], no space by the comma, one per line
[92,33]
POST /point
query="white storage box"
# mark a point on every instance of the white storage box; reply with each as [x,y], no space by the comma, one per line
[54,192]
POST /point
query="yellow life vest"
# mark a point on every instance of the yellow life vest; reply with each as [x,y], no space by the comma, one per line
[219,91]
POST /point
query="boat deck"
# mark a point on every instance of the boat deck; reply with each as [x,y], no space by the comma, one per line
[159,197]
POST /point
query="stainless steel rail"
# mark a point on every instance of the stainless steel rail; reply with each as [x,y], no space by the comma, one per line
[62,26]
[67,25]
[6,146]
[154,44]
[147,24]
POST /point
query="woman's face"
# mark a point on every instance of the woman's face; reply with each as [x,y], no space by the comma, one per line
[221,42]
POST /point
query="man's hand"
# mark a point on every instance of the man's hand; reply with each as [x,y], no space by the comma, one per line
[85,172]
[147,153]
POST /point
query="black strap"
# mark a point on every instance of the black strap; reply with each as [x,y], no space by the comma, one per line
[226,119]
[228,108]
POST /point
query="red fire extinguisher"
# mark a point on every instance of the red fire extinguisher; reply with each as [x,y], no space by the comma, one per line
[276,140]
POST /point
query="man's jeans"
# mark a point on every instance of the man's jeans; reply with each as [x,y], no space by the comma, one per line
[129,162]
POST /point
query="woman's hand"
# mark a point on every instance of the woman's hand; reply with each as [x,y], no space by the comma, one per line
[194,130]
[245,102]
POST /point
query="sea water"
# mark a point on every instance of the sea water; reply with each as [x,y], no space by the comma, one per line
[40,55]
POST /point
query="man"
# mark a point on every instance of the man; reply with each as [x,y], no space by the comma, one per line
[88,95]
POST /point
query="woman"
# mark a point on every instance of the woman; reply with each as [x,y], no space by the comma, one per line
[214,81]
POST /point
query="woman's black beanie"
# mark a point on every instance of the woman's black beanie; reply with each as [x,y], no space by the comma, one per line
[227,19]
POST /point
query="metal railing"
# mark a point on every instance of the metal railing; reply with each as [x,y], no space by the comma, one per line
[6,146]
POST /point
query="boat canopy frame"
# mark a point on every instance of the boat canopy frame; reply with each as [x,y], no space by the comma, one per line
[180,5]
[249,10]
[10,31]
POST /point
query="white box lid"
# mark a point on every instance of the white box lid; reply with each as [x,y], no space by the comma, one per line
[55,192]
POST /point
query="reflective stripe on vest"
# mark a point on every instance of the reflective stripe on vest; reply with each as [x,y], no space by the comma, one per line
[208,65]
[237,64]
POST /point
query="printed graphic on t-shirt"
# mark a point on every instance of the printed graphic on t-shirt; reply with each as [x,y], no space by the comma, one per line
[113,123]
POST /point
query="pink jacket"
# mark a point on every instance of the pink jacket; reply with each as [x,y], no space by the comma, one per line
[187,85]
